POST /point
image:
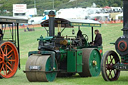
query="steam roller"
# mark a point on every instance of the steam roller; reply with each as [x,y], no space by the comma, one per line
[63,56]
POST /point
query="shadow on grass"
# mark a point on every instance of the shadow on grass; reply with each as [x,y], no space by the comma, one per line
[72,77]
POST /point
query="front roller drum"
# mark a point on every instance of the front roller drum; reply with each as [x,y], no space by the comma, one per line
[44,74]
[9,59]
[91,62]
[109,59]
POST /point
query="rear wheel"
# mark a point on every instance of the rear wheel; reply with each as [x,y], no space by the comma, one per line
[8,59]
[91,62]
[109,73]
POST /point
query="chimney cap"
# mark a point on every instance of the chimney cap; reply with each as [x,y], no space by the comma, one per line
[51,13]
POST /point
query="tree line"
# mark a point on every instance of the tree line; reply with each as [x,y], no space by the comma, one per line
[59,4]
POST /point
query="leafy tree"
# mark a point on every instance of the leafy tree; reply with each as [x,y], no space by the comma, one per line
[103,3]
[115,5]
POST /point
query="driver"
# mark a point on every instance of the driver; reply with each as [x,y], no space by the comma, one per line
[98,39]
[79,34]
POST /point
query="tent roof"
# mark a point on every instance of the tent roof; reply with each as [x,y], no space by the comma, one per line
[107,7]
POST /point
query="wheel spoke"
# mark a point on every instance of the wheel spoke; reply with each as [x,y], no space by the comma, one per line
[4,71]
[110,73]
[111,61]
[10,64]
[114,71]
[6,68]
[9,68]
[6,52]
[1,50]
[5,48]
[110,56]
[10,55]
[107,60]
[9,52]
[12,60]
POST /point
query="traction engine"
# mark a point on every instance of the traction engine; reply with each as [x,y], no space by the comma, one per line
[111,64]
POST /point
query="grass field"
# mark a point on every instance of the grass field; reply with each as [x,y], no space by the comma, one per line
[28,42]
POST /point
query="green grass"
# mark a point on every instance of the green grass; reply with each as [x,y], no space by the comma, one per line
[28,42]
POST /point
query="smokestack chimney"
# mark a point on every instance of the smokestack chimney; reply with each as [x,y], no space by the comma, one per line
[125,18]
[51,23]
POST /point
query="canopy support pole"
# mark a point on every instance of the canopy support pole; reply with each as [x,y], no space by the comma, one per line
[12,30]
[78,27]
[18,42]
[92,34]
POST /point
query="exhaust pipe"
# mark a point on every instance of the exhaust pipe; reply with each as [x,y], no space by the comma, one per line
[51,23]
[125,18]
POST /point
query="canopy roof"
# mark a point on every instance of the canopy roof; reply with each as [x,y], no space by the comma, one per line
[10,20]
[72,22]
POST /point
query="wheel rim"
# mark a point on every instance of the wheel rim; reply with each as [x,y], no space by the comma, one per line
[108,71]
[8,59]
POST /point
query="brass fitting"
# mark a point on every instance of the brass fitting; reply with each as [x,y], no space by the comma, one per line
[94,63]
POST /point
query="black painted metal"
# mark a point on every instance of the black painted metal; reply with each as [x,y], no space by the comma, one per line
[18,42]
[92,34]
[15,33]
[12,31]
[121,44]
[125,18]
[51,23]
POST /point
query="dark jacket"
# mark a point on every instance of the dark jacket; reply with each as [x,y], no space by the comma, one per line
[79,34]
[98,40]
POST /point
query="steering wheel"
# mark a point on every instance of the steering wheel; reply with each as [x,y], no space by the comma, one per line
[85,36]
